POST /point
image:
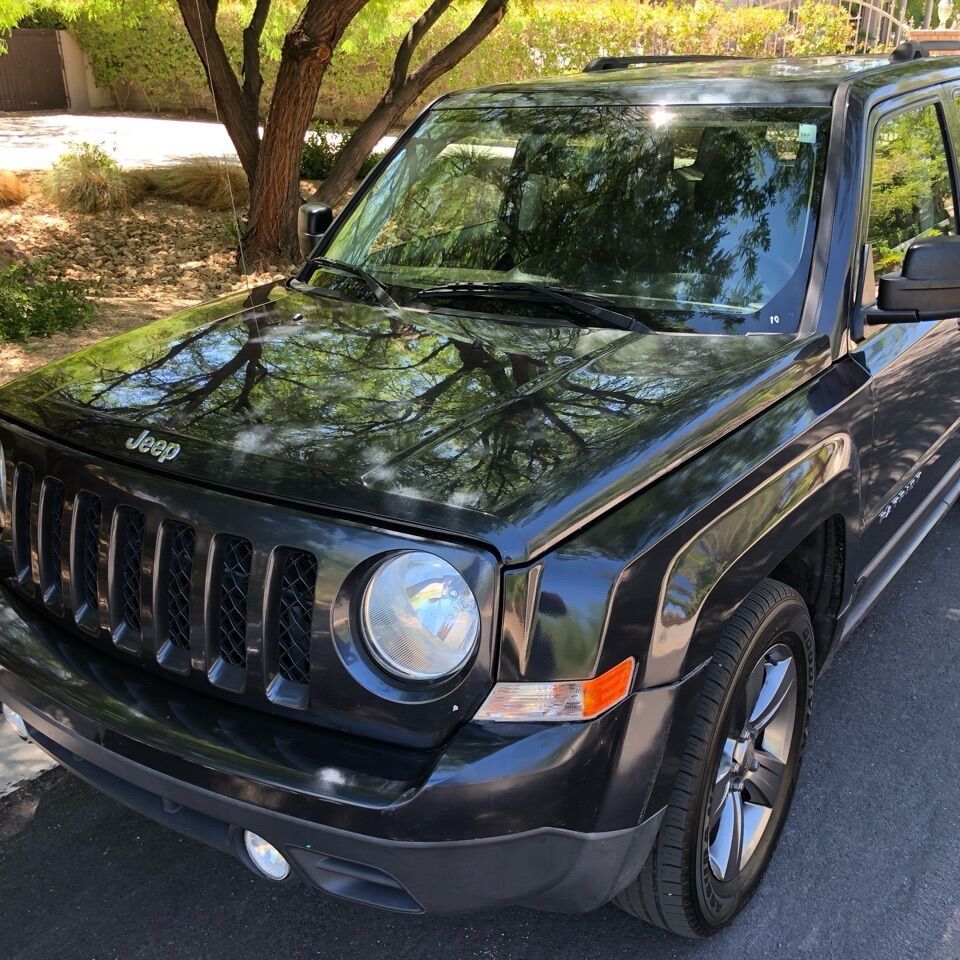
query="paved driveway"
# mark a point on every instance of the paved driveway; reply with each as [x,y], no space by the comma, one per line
[32,141]
[868,867]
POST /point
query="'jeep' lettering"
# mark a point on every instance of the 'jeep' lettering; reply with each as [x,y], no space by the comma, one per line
[163,450]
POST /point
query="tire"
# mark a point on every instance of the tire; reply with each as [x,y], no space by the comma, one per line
[698,877]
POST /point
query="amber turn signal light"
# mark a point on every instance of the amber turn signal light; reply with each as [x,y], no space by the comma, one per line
[561,700]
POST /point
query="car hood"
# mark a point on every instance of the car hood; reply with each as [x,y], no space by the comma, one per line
[507,433]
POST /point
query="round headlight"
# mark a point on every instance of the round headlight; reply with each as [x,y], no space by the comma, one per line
[420,619]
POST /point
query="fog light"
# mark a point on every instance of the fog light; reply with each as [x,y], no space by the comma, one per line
[266,857]
[15,721]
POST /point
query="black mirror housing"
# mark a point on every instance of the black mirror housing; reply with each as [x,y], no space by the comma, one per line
[929,283]
[313,221]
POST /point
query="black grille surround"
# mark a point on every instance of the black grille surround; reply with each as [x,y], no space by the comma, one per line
[299,573]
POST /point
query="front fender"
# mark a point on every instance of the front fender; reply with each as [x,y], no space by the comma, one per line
[713,572]
[652,577]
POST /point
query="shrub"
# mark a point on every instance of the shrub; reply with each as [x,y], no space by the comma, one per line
[12,188]
[87,179]
[322,148]
[210,184]
[33,303]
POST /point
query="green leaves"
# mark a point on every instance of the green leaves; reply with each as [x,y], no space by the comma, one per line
[34,303]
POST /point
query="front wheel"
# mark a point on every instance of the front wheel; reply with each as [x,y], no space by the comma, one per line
[738,772]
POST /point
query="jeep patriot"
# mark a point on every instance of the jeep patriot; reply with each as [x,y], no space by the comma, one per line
[493,557]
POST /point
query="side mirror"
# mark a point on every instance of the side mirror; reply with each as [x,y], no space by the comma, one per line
[313,221]
[928,286]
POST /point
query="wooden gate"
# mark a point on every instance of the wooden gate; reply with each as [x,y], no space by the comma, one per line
[31,72]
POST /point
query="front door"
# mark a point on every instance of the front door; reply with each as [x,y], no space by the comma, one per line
[916,367]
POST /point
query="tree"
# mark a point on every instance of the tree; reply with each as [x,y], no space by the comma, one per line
[272,164]
[406,86]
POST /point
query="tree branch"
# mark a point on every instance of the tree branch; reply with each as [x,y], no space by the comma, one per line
[401,95]
[252,77]
[482,25]
[416,33]
[241,123]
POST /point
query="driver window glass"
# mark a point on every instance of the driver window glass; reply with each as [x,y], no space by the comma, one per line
[910,194]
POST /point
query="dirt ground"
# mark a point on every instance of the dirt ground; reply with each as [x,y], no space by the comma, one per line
[140,264]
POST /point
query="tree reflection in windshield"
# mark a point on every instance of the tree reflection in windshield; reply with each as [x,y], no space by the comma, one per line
[704,217]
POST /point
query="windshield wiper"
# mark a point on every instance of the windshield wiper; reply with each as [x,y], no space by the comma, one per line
[584,303]
[377,288]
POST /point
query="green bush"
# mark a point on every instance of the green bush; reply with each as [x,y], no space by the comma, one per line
[322,148]
[535,40]
[33,303]
[87,179]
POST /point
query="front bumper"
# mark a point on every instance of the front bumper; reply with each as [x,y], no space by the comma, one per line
[550,816]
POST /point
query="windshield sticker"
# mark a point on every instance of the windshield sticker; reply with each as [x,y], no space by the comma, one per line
[807,133]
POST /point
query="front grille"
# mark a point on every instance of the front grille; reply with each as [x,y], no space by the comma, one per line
[171,602]
[230,630]
[51,542]
[146,572]
[22,504]
[85,559]
[127,554]
[295,613]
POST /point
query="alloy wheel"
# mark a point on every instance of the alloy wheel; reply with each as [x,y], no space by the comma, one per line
[749,780]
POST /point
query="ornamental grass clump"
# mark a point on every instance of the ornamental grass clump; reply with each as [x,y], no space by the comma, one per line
[86,179]
[12,189]
[205,183]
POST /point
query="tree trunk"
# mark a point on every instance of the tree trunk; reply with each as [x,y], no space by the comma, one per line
[404,91]
[272,231]
[235,111]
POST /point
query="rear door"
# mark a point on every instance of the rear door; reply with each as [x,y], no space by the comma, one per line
[910,192]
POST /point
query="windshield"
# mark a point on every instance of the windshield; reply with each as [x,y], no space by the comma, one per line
[687,219]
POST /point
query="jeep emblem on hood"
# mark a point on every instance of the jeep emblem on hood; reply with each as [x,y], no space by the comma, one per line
[163,450]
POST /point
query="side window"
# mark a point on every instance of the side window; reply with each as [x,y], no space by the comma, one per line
[910,192]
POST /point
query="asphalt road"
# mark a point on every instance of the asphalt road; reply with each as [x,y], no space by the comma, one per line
[868,866]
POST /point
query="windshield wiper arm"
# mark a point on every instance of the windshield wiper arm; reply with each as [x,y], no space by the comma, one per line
[377,288]
[584,303]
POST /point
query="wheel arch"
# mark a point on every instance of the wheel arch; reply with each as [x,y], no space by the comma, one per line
[777,528]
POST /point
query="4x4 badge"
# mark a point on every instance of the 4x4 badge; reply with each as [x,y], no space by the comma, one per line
[163,450]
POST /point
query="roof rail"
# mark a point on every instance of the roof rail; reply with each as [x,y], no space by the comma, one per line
[619,63]
[917,49]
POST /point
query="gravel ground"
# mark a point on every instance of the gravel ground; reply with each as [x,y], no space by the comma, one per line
[867,868]
[139,264]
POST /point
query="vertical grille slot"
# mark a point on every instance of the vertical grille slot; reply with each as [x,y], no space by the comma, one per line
[85,560]
[172,597]
[22,503]
[51,542]
[227,610]
[289,620]
[126,563]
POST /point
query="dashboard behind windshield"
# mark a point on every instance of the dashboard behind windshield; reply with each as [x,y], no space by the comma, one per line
[687,218]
